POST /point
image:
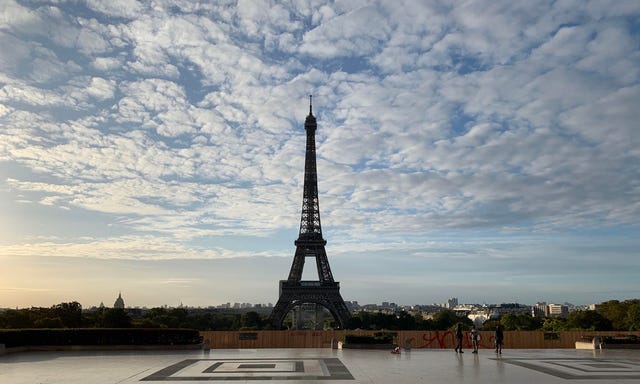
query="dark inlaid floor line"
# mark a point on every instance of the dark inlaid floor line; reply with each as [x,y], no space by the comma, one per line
[580,368]
[254,369]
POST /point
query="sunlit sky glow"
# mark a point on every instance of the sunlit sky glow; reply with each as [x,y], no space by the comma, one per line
[486,150]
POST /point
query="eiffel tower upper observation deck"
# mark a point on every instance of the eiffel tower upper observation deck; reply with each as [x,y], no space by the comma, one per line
[310,243]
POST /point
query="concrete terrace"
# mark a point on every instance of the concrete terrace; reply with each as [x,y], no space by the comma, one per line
[322,365]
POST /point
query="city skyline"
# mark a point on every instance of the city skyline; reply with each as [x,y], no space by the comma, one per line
[480,150]
[381,304]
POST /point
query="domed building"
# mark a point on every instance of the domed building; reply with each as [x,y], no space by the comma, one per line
[119,302]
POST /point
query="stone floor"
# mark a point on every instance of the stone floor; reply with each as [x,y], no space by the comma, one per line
[322,365]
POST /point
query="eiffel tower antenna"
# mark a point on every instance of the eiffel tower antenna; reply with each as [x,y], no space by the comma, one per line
[310,244]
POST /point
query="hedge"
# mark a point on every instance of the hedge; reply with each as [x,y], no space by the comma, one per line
[378,338]
[98,336]
[629,339]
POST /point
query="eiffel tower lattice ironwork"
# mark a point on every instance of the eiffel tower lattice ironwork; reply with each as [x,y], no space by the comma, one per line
[294,291]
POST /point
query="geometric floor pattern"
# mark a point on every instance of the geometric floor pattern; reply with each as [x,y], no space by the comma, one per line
[253,369]
[323,365]
[581,368]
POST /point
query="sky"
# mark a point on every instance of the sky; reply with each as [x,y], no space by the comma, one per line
[484,150]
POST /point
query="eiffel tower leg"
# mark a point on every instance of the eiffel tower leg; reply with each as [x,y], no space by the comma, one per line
[324,271]
[279,312]
[294,294]
[298,264]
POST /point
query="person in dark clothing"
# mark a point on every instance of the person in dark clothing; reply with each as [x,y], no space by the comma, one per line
[459,338]
[499,339]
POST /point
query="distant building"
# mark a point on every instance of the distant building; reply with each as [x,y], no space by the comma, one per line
[540,310]
[543,309]
[478,317]
[351,305]
[452,303]
[558,310]
[593,307]
[119,302]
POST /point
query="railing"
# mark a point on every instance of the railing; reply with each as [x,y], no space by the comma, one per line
[309,283]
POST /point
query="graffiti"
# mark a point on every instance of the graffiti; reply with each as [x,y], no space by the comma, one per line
[447,339]
[439,337]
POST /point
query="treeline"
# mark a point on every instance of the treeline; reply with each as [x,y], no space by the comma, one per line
[444,319]
[71,315]
[612,315]
[64,315]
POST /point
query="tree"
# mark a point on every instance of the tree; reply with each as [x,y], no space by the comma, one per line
[509,322]
[447,318]
[355,322]
[619,314]
[167,318]
[616,312]
[201,321]
[377,320]
[588,320]
[49,322]
[406,321]
[116,318]
[425,324]
[251,320]
[69,313]
[554,324]
[519,322]
[15,318]
[632,319]
[490,325]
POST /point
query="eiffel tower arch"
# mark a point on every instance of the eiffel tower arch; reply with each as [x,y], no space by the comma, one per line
[310,244]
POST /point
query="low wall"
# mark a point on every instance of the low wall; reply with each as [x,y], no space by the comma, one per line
[56,348]
[414,339]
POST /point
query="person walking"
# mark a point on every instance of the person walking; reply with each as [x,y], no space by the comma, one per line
[459,338]
[475,338]
[499,335]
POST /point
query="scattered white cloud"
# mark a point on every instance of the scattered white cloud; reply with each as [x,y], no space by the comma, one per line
[181,123]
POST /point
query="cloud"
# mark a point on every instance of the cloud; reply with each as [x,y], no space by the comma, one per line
[124,8]
[348,34]
[125,247]
[182,123]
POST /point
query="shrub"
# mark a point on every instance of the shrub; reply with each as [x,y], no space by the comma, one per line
[98,336]
[378,338]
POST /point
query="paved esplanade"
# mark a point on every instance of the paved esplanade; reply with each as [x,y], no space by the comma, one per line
[322,365]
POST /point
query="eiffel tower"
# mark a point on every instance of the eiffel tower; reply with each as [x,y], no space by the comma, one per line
[294,291]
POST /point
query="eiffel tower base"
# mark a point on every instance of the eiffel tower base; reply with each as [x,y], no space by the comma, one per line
[293,294]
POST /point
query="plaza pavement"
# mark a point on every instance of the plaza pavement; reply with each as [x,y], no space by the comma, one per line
[321,366]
